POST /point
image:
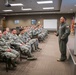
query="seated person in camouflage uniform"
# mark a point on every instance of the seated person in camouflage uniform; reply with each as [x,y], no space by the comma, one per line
[21,45]
[42,33]
[6,37]
[7,51]
[33,40]
[23,39]
[8,32]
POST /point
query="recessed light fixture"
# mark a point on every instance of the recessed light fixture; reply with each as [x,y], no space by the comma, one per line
[7,10]
[26,9]
[71,9]
[48,8]
[17,4]
[75,5]
[44,2]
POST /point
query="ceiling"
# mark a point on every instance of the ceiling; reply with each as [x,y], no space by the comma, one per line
[60,6]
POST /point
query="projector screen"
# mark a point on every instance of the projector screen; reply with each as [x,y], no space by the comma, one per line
[50,24]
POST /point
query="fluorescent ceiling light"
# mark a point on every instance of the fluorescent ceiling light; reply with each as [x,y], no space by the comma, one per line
[71,9]
[75,5]
[48,8]
[26,9]
[17,4]
[7,10]
[44,2]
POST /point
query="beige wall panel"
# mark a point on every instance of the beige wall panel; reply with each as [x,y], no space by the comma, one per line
[26,19]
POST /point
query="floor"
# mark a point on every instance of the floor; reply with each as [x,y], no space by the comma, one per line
[46,64]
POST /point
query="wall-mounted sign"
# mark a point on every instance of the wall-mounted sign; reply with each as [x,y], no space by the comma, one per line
[33,22]
[16,21]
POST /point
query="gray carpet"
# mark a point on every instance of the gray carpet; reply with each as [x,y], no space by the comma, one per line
[45,65]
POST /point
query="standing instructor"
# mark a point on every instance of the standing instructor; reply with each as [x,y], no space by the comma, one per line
[63,33]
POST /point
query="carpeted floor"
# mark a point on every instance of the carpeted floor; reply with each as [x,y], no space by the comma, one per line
[46,64]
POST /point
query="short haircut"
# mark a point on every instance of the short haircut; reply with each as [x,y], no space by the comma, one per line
[13,29]
[64,17]
[21,29]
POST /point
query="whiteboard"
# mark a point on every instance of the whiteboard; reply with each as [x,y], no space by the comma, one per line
[50,24]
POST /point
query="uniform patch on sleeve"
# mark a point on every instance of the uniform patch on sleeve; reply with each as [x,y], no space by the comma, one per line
[67,26]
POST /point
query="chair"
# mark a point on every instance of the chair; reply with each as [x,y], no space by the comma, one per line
[17,49]
[5,60]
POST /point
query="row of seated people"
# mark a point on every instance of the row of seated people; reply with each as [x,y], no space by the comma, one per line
[35,31]
[21,43]
[41,32]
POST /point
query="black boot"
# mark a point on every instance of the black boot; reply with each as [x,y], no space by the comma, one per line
[8,63]
[13,63]
[31,57]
